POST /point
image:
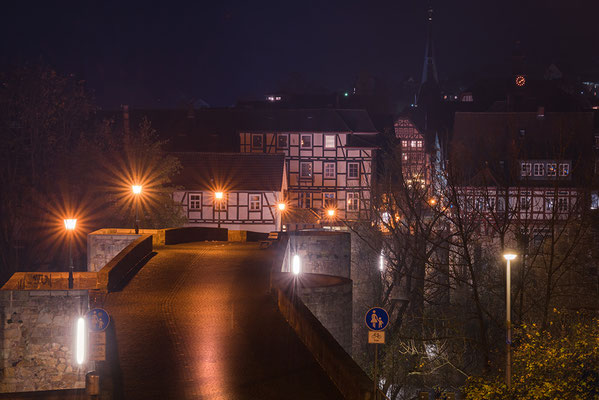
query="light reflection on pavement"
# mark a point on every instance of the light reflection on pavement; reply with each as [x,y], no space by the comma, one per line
[197,322]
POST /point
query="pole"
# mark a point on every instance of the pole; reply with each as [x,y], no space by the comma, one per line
[70,260]
[136,214]
[508,341]
[219,206]
[376,354]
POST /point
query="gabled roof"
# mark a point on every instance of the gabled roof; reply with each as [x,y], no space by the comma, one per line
[230,171]
[217,129]
[498,140]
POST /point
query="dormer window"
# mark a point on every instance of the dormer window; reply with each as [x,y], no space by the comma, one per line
[539,169]
[564,169]
[526,169]
[551,169]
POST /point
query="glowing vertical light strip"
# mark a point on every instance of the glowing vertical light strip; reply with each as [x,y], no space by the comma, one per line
[80,340]
[382,262]
[296,264]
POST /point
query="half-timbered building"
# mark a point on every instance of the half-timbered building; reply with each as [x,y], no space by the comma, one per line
[328,155]
[232,190]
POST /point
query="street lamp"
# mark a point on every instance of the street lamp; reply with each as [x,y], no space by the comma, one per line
[218,196]
[69,225]
[508,361]
[136,191]
[331,212]
[281,206]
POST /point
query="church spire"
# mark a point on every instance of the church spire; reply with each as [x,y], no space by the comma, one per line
[429,70]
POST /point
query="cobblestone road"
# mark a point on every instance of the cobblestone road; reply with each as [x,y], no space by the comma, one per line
[196,322]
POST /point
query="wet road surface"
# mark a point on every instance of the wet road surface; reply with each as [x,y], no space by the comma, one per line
[196,322]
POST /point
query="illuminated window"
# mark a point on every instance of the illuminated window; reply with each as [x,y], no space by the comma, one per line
[353,170]
[539,169]
[564,169]
[419,143]
[306,142]
[306,170]
[414,143]
[404,144]
[551,169]
[195,201]
[404,156]
[594,201]
[255,202]
[328,200]
[304,200]
[282,141]
[257,142]
[329,170]
[353,201]
[329,141]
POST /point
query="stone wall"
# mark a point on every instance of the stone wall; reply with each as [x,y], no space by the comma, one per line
[320,252]
[332,305]
[102,248]
[37,340]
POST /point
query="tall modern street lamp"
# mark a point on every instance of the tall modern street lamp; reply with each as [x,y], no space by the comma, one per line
[136,191]
[218,196]
[508,359]
[70,224]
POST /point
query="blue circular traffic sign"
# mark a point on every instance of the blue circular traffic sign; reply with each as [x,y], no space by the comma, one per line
[97,319]
[377,319]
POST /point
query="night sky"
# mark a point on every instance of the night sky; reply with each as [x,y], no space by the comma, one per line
[157,54]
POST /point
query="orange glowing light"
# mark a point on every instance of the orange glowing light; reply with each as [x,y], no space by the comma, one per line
[218,195]
[331,212]
[70,224]
[520,80]
[432,201]
[281,206]
[136,189]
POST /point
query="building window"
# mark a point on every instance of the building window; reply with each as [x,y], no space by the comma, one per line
[257,142]
[255,202]
[419,143]
[328,200]
[353,170]
[594,201]
[597,142]
[539,169]
[221,204]
[549,204]
[329,170]
[195,202]
[526,169]
[282,141]
[306,142]
[525,203]
[562,204]
[329,141]
[404,156]
[551,169]
[404,144]
[306,170]
[304,200]
[353,201]
[564,169]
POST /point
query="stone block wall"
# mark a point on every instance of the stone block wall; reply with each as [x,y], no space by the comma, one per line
[101,248]
[327,253]
[37,340]
[332,305]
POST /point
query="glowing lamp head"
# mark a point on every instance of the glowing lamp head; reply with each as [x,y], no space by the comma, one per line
[218,195]
[295,264]
[281,206]
[509,256]
[136,189]
[331,212]
[70,224]
[432,201]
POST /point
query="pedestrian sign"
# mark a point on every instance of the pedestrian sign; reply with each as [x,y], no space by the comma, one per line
[97,319]
[377,319]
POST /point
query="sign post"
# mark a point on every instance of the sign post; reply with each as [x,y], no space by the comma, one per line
[97,321]
[376,320]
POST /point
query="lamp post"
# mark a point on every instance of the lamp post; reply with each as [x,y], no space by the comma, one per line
[296,269]
[136,191]
[218,196]
[508,359]
[281,206]
[70,224]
